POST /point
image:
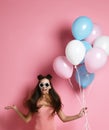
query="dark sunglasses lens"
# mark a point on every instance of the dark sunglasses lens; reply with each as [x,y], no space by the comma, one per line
[41,85]
[46,84]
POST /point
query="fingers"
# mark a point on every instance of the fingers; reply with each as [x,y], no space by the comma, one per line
[7,107]
[84,110]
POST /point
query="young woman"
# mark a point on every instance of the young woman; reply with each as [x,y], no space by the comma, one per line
[45,103]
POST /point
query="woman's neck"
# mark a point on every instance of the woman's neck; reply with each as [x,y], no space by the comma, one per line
[45,95]
[45,98]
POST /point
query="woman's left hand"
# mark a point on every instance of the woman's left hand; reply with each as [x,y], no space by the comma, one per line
[82,112]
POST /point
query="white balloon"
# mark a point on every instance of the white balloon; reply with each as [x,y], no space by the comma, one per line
[103,43]
[75,52]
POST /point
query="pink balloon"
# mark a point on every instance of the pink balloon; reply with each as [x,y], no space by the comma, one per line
[95,59]
[63,67]
[96,32]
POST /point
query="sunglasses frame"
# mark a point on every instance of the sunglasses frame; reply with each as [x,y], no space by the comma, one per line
[44,84]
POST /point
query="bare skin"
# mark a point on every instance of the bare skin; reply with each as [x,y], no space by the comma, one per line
[45,101]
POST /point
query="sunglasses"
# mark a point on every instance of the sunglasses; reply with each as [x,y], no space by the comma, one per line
[44,84]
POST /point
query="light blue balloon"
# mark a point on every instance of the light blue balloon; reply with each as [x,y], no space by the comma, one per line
[83,78]
[88,46]
[82,27]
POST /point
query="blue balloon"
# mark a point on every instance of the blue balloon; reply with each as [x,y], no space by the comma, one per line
[87,45]
[82,27]
[83,78]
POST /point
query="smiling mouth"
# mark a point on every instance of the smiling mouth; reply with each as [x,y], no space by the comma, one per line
[44,90]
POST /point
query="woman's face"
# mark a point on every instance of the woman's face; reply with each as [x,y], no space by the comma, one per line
[44,86]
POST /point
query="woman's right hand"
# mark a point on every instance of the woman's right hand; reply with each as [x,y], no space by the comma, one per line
[26,118]
[11,107]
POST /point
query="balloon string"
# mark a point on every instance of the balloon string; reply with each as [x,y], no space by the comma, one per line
[75,93]
[86,116]
[83,104]
[83,100]
[78,79]
[90,88]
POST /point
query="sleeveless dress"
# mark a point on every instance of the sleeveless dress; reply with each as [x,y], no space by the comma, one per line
[45,118]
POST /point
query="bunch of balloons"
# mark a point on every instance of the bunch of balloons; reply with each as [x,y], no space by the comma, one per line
[88,52]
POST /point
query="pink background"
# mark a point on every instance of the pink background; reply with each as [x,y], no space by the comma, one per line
[32,34]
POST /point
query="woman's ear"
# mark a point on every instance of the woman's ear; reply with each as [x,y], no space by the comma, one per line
[40,77]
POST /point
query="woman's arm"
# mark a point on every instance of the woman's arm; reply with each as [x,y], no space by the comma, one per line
[26,117]
[66,118]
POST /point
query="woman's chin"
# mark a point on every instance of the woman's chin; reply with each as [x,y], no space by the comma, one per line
[44,92]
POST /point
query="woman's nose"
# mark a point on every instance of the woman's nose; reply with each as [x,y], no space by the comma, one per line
[44,87]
